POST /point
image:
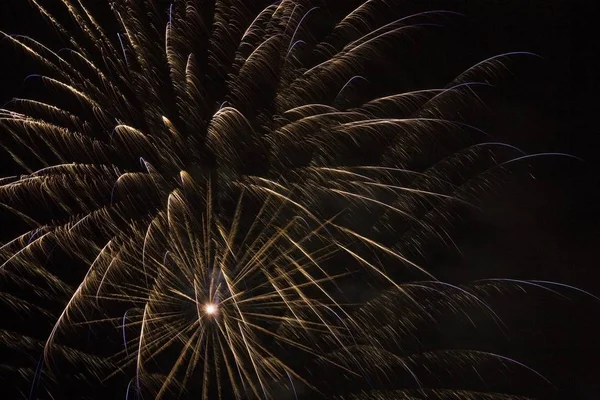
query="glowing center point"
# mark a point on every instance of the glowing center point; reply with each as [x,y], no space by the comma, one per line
[210,309]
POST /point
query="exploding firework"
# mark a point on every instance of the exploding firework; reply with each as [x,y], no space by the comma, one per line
[220,201]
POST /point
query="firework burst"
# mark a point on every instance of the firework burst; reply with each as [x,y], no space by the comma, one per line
[216,205]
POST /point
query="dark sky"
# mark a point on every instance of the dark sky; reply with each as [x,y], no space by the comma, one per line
[546,228]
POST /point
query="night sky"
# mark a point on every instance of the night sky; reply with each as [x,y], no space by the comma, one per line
[544,222]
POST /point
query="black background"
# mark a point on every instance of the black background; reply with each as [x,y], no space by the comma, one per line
[546,228]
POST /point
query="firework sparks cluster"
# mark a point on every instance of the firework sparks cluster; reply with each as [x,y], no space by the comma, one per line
[216,206]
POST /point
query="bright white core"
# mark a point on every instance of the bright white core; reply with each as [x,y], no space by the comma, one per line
[210,309]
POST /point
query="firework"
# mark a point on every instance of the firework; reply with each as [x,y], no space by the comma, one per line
[216,205]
